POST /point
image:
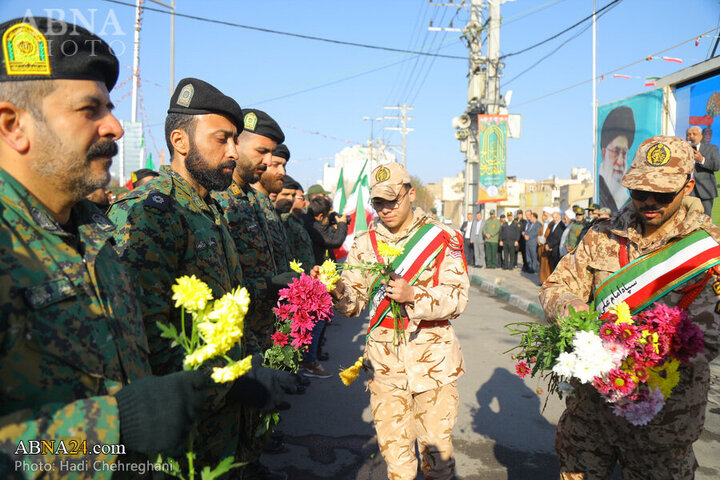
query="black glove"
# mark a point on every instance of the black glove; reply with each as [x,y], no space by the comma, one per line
[282,280]
[157,413]
[261,387]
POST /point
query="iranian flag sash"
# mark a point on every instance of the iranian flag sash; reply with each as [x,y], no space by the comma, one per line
[422,248]
[650,277]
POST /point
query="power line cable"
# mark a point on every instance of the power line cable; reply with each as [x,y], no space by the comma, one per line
[289,34]
[529,12]
[557,34]
[570,87]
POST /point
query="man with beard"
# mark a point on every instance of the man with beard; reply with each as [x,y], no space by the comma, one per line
[250,230]
[73,351]
[172,227]
[100,197]
[616,138]
[659,250]
[290,204]
[707,162]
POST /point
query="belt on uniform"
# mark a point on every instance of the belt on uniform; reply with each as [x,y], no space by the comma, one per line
[387,322]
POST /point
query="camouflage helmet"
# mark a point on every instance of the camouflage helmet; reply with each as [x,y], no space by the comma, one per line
[661,164]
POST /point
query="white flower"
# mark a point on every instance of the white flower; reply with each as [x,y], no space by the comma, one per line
[565,366]
[587,345]
[585,370]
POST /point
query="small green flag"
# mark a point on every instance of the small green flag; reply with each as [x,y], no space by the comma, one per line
[149,163]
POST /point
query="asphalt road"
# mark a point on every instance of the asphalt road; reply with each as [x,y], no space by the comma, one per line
[505,427]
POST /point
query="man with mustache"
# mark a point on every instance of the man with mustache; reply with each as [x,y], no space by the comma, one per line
[637,257]
[172,227]
[249,228]
[616,138]
[73,351]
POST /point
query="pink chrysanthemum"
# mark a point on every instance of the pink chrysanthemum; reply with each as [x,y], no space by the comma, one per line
[610,331]
[301,339]
[688,342]
[279,338]
[522,369]
[601,385]
[621,382]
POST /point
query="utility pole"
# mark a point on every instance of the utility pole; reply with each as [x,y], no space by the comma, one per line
[483,86]
[403,129]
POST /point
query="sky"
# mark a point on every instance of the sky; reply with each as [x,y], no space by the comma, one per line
[320,91]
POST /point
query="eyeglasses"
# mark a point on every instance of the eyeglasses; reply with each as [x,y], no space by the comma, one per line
[379,203]
[619,152]
[664,198]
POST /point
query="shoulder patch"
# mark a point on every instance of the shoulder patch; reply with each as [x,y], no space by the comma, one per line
[157,200]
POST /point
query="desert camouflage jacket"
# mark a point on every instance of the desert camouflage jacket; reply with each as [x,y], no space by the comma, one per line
[165,230]
[578,275]
[431,357]
[71,333]
[299,241]
[251,233]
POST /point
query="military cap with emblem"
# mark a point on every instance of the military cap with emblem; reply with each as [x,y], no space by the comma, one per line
[316,189]
[661,164]
[197,97]
[41,48]
[387,180]
[593,206]
[260,123]
[282,151]
[579,210]
[492,212]
[138,175]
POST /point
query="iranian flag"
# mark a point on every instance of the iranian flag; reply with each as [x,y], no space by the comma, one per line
[359,209]
[339,200]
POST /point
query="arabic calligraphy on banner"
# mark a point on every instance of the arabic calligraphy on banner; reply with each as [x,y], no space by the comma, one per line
[492,142]
[616,296]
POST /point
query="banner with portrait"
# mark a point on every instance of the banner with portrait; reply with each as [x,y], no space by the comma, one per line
[622,126]
[698,105]
[492,172]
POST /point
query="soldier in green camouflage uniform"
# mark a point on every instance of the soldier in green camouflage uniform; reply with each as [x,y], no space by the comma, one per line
[249,227]
[73,351]
[491,231]
[290,203]
[575,229]
[590,439]
[172,227]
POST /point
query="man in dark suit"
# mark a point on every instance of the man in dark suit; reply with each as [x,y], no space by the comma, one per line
[509,239]
[707,162]
[532,230]
[553,240]
[522,222]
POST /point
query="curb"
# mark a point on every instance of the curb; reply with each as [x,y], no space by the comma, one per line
[527,306]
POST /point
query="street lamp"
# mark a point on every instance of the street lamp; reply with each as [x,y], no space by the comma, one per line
[372,136]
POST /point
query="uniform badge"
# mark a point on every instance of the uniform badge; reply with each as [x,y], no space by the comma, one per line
[133,177]
[250,121]
[186,95]
[382,175]
[716,287]
[25,50]
[235,189]
[658,155]
[102,221]
[157,200]
[43,220]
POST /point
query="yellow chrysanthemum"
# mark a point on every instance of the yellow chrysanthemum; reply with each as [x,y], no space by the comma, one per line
[200,355]
[296,266]
[328,274]
[232,371]
[665,377]
[225,326]
[622,310]
[389,251]
[191,293]
[240,296]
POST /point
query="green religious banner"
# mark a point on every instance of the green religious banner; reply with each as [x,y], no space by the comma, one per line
[492,141]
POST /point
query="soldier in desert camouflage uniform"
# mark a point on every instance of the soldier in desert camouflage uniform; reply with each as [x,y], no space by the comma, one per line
[590,439]
[413,384]
[73,351]
[172,227]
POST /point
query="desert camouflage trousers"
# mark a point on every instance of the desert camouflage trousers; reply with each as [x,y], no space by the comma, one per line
[586,454]
[401,418]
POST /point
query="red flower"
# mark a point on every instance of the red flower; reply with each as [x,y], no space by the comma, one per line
[522,369]
[621,382]
[279,338]
[610,331]
[300,339]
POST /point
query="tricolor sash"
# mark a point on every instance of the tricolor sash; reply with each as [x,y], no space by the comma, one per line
[650,277]
[419,251]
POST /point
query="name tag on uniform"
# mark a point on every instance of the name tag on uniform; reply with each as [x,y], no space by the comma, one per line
[203,244]
[252,226]
[47,293]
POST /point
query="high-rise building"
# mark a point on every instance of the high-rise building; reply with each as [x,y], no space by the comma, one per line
[131,152]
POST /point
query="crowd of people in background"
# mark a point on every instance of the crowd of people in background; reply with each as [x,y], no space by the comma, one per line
[535,244]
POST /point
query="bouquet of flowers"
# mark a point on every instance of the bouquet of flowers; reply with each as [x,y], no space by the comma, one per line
[299,308]
[217,327]
[632,361]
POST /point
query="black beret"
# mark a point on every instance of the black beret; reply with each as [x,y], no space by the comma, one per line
[259,122]
[197,97]
[291,183]
[620,122]
[138,175]
[43,48]
[282,151]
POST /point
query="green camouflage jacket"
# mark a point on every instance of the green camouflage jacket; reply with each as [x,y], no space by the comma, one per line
[492,228]
[251,233]
[299,241]
[71,333]
[165,230]
[278,236]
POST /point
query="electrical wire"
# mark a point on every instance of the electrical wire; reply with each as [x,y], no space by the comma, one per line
[288,34]
[531,11]
[570,87]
